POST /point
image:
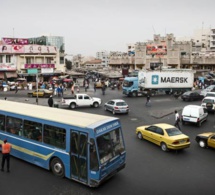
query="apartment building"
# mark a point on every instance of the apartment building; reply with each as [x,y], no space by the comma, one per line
[104,57]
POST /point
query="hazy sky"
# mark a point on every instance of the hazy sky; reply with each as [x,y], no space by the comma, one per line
[89,26]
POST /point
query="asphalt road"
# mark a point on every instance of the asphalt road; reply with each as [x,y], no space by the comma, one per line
[149,170]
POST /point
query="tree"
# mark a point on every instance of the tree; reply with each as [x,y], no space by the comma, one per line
[68,64]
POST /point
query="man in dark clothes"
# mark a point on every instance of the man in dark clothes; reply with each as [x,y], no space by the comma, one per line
[50,101]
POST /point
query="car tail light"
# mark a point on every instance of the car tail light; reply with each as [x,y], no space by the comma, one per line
[116,108]
[176,142]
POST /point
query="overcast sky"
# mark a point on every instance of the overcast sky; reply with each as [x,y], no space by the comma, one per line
[89,26]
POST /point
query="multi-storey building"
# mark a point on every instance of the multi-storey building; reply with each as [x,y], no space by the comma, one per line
[28,60]
[167,52]
[104,57]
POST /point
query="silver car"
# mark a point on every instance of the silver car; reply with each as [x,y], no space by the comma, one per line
[117,106]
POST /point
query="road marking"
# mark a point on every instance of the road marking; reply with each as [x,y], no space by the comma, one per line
[134,119]
[162,100]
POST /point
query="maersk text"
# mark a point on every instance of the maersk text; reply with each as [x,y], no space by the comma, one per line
[174,80]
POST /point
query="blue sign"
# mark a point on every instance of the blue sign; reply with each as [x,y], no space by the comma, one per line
[155,79]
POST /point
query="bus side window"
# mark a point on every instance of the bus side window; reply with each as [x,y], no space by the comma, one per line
[2,122]
[13,125]
[54,136]
[32,130]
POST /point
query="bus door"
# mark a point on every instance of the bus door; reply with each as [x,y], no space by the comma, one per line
[79,156]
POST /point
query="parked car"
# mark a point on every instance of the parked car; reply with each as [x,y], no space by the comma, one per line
[210,88]
[117,106]
[40,93]
[194,114]
[209,104]
[164,135]
[191,96]
[210,94]
[206,140]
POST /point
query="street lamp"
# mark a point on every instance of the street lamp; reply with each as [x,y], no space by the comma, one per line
[37,88]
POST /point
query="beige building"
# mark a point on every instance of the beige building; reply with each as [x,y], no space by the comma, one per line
[166,52]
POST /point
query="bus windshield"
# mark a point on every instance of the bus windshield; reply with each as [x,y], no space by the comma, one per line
[110,145]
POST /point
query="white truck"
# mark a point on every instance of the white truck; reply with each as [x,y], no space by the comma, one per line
[79,100]
[168,80]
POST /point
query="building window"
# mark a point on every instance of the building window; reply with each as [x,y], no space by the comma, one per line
[48,60]
[8,59]
[28,60]
[1,59]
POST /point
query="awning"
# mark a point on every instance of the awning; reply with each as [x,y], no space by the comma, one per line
[11,74]
[1,75]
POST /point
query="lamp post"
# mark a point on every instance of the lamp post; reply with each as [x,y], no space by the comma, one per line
[37,88]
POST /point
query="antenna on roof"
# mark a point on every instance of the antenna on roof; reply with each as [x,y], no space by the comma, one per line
[153,29]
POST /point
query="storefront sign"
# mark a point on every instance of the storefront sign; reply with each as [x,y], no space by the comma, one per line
[28,66]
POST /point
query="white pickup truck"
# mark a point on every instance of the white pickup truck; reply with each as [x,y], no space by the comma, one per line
[79,100]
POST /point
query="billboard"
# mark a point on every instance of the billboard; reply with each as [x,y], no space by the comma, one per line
[156,49]
[17,41]
[28,49]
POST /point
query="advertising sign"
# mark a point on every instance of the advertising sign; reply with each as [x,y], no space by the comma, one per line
[17,41]
[29,66]
[28,49]
[156,49]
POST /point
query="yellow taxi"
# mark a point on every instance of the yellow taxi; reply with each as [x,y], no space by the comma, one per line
[40,93]
[206,140]
[164,135]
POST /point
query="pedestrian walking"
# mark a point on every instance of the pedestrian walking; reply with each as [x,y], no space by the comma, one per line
[6,147]
[72,89]
[94,87]
[103,89]
[16,89]
[148,101]
[177,120]
[50,101]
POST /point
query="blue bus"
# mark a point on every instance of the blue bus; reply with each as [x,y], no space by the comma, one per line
[87,148]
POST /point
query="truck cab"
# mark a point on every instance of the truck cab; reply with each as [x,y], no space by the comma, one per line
[130,86]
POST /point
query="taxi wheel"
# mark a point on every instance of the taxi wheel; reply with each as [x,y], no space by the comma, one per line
[202,144]
[139,135]
[164,147]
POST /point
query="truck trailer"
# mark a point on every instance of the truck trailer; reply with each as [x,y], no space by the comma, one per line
[154,81]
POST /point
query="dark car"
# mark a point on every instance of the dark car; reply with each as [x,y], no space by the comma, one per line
[191,96]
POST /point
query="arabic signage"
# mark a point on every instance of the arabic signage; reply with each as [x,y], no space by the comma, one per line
[18,41]
[28,66]
[7,66]
[27,49]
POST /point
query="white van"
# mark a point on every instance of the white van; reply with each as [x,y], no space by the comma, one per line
[194,114]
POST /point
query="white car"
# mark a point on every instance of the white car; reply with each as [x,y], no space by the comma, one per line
[117,106]
[210,88]
[209,104]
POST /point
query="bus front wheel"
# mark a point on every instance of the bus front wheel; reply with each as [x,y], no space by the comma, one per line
[57,167]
